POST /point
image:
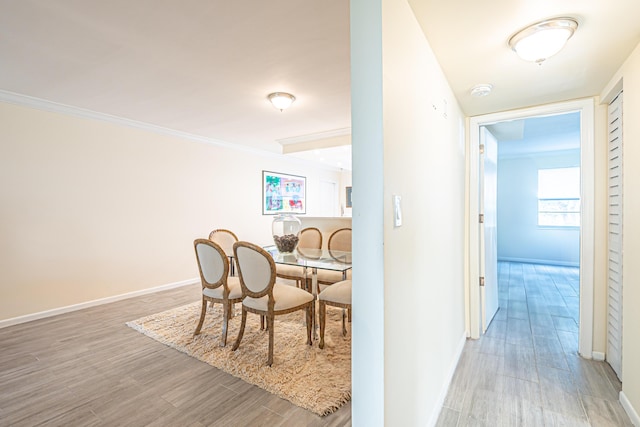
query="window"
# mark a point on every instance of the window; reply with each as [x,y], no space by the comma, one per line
[559,197]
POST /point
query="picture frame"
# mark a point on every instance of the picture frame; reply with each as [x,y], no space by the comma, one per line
[348,197]
[283,193]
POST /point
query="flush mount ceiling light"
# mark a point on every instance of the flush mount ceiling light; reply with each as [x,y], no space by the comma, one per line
[481,90]
[544,39]
[281,100]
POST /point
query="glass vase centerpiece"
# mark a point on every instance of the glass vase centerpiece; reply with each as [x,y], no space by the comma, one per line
[286,232]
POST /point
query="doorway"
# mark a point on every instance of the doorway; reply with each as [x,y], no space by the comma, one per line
[476,298]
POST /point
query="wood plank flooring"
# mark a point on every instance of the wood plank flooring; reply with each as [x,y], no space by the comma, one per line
[87,368]
[526,370]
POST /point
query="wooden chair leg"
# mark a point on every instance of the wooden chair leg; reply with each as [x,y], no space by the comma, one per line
[203,313]
[349,314]
[309,322]
[344,327]
[323,312]
[241,332]
[270,326]
[261,322]
[226,312]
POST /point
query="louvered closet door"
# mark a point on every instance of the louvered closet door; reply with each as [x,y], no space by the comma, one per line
[614,329]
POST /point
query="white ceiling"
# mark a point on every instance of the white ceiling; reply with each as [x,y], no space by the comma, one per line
[202,67]
[206,67]
[470,40]
[536,135]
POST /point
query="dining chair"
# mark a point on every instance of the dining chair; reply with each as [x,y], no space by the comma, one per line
[262,295]
[217,285]
[339,241]
[310,238]
[225,239]
[336,295]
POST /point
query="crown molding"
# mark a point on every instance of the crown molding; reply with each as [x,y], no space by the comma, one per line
[315,136]
[55,107]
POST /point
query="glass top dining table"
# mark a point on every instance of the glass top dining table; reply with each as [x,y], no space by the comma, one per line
[323,259]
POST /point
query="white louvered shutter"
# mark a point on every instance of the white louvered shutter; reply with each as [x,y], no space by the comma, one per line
[614,322]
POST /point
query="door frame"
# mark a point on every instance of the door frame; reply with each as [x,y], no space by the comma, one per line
[587,229]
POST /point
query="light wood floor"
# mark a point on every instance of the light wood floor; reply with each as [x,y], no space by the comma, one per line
[526,371]
[87,368]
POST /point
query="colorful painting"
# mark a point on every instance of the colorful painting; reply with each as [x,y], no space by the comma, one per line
[282,193]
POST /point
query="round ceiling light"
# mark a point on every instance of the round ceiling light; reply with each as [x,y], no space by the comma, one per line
[543,39]
[281,100]
[481,90]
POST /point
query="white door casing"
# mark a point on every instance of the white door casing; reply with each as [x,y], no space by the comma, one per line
[586,109]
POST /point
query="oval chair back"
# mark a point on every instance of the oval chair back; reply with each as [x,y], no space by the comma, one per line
[310,246]
[212,263]
[340,240]
[310,238]
[257,269]
[225,239]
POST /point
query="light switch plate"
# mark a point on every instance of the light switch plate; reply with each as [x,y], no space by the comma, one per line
[397,211]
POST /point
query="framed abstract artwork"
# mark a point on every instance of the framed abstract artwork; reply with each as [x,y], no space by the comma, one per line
[283,193]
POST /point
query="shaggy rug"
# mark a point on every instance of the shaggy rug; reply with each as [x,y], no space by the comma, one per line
[314,379]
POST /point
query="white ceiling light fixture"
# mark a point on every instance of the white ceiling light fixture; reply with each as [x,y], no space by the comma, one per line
[543,39]
[481,90]
[281,100]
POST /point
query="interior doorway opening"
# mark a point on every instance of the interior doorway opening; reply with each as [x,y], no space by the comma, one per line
[531,210]
[568,246]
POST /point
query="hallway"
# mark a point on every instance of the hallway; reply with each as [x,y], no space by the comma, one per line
[526,371]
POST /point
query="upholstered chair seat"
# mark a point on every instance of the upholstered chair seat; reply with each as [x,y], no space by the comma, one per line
[326,277]
[286,297]
[336,295]
[286,271]
[235,290]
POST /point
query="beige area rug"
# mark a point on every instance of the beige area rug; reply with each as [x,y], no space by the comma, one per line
[314,379]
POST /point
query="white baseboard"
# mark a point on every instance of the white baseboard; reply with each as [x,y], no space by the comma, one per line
[540,261]
[629,409]
[61,310]
[597,355]
[433,420]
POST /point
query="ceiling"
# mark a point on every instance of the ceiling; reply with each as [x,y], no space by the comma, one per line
[206,67]
[470,40]
[535,135]
[201,67]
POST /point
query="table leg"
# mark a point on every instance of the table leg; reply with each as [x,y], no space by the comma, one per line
[232,266]
[314,292]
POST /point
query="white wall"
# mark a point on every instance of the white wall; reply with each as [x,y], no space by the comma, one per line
[92,209]
[629,75]
[519,236]
[418,151]
[368,295]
